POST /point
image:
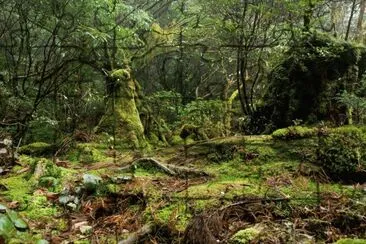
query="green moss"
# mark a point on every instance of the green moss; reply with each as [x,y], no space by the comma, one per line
[88,153]
[27,160]
[125,115]
[351,241]
[176,140]
[245,236]
[174,214]
[294,132]
[18,188]
[40,209]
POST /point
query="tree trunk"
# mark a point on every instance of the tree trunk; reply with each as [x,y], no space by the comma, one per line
[122,113]
[360,20]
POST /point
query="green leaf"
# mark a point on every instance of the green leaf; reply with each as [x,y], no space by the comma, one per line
[18,222]
[6,226]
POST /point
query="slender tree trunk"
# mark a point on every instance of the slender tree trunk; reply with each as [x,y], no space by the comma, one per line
[350,20]
[180,61]
[360,20]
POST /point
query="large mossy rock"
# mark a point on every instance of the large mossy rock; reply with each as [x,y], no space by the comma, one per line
[313,72]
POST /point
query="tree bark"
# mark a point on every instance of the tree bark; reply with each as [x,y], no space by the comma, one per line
[360,20]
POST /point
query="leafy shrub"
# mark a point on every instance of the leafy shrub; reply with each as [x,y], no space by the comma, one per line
[294,132]
[341,152]
[206,115]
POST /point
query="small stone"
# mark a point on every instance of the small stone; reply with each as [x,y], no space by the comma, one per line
[86,229]
[77,226]
[64,199]
[122,179]
[90,181]
[7,142]
[72,205]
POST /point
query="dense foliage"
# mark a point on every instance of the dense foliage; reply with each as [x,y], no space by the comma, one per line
[341,153]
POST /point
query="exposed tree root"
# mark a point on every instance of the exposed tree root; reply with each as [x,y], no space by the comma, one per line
[172,170]
[138,235]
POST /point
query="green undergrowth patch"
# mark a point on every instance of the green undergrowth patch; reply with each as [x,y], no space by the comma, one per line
[18,188]
[40,209]
[148,172]
[175,215]
[351,241]
[89,153]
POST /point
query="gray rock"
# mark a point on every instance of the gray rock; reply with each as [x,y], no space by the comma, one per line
[86,229]
[91,182]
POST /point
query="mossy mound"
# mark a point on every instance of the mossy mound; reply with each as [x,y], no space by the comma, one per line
[294,132]
[341,153]
[88,153]
[246,235]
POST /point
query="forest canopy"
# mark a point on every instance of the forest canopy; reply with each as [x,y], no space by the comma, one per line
[267,62]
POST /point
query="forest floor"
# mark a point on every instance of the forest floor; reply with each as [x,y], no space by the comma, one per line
[228,190]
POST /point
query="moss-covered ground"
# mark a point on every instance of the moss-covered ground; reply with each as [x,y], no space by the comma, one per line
[250,167]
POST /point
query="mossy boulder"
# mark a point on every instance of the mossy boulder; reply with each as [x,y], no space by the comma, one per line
[91,182]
